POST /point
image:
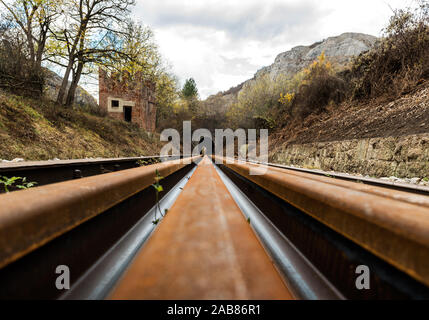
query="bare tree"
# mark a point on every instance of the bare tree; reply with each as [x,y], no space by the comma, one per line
[86,24]
[131,49]
[34,17]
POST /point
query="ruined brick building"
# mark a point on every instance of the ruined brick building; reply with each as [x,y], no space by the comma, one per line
[131,100]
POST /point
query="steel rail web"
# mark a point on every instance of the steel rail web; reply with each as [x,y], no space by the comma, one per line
[203,249]
[398,235]
[31,218]
[301,276]
[47,172]
[96,283]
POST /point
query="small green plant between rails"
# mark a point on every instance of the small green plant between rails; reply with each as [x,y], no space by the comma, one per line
[12,182]
[147,162]
[158,188]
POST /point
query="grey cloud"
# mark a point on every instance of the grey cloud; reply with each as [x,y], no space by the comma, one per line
[255,21]
[251,29]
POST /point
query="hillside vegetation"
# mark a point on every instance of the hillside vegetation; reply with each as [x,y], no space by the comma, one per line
[395,67]
[328,93]
[36,129]
[76,39]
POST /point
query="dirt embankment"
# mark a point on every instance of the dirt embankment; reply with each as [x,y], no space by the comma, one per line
[377,138]
[404,116]
[40,130]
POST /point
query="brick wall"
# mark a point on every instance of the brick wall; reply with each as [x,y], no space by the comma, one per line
[135,93]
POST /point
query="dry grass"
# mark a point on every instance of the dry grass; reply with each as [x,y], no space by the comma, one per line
[40,130]
[399,62]
[320,92]
[17,73]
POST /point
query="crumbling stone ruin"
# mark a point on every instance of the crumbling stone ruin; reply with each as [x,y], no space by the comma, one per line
[128,98]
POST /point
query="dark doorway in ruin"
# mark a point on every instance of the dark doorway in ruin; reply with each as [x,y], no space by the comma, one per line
[127,113]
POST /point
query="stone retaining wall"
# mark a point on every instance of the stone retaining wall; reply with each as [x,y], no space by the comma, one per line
[403,157]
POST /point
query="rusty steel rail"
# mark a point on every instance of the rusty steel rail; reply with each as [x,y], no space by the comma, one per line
[417,189]
[52,171]
[31,218]
[203,249]
[102,226]
[98,280]
[392,225]
[303,279]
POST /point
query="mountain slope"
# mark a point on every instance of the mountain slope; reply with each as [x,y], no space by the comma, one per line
[339,50]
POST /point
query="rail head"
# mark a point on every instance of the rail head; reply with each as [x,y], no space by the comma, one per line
[391,225]
[30,218]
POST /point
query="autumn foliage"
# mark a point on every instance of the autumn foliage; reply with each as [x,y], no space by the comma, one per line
[400,61]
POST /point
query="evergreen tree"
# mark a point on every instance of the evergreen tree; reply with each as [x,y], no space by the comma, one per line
[190,90]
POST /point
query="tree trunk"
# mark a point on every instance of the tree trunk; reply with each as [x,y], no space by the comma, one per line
[63,88]
[41,50]
[31,47]
[39,59]
[72,91]
[72,58]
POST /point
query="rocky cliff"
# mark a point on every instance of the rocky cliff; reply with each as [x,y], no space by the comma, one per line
[339,50]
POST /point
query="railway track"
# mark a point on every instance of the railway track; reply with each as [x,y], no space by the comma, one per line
[225,234]
[400,186]
[46,172]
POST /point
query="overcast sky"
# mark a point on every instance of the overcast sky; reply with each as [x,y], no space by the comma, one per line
[221,43]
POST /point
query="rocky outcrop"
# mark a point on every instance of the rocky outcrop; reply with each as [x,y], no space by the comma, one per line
[53,84]
[404,157]
[340,50]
